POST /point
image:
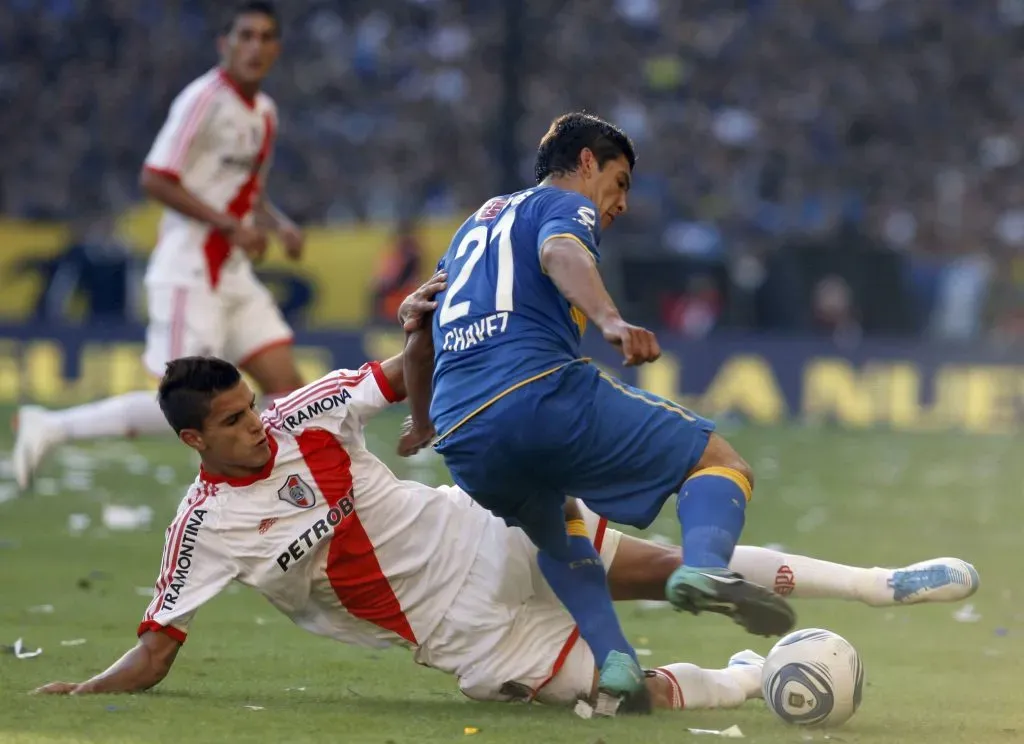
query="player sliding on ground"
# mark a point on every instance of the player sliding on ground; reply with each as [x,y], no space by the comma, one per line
[523,421]
[292,504]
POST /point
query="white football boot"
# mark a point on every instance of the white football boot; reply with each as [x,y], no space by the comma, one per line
[748,665]
[935,580]
[37,435]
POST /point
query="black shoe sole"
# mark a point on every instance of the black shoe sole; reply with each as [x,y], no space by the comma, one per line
[758,610]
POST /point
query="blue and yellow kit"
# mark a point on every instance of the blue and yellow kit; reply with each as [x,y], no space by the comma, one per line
[523,420]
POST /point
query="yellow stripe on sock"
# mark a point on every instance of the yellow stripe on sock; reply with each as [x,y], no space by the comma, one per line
[577,528]
[734,475]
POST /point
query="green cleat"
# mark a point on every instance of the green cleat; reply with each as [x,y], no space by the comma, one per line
[759,610]
[622,683]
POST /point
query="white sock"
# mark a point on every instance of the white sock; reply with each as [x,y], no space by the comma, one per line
[126,415]
[694,688]
[800,576]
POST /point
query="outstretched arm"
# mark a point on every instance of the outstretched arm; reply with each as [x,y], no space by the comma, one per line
[141,668]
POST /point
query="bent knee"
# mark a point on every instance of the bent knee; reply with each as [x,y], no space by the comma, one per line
[720,454]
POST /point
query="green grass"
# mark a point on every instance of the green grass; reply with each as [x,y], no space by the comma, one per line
[862,498]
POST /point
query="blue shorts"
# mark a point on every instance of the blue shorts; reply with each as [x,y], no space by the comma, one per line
[577,432]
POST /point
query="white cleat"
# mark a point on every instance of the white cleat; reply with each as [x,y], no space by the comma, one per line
[746,658]
[37,435]
[747,667]
[936,580]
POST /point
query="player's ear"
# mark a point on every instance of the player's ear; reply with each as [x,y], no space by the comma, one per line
[192,438]
[588,163]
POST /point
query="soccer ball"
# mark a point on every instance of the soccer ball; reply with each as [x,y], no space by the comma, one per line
[813,677]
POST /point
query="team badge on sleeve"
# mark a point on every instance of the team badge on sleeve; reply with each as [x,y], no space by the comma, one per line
[297,493]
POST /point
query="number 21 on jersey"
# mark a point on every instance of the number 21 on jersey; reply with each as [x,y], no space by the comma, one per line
[477,241]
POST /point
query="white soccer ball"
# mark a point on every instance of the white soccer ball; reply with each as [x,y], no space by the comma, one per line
[813,677]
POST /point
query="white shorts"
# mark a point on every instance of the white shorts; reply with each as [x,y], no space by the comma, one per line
[236,321]
[507,636]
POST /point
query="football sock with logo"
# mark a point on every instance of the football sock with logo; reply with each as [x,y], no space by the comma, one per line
[800,576]
[690,687]
[582,586]
[712,508]
[131,414]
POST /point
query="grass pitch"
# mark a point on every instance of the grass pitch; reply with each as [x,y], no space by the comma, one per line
[247,675]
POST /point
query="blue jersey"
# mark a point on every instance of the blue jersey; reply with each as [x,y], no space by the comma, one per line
[502,321]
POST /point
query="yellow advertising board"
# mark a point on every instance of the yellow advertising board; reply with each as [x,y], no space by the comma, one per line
[762,386]
[337,271]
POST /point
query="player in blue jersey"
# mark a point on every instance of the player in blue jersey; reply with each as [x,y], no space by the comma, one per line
[523,421]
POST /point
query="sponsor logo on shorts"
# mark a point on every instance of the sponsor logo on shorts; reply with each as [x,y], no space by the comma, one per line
[785,583]
[320,529]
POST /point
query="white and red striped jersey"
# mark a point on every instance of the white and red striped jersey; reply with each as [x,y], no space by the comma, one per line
[326,532]
[218,143]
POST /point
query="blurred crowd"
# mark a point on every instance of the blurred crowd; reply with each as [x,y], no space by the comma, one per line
[759,123]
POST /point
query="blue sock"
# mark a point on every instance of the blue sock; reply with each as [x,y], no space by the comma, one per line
[582,586]
[712,507]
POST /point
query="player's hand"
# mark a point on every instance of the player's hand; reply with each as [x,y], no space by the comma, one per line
[250,239]
[57,688]
[413,438]
[293,239]
[638,345]
[420,303]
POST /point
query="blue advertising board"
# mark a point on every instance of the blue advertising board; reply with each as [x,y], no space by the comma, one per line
[911,386]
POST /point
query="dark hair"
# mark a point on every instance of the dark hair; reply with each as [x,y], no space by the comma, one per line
[188,386]
[263,7]
[559,149]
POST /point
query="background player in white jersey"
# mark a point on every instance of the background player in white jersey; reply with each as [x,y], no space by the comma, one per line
[293,504]
[208,167]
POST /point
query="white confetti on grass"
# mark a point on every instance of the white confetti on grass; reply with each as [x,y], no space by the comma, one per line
[966,614]
[137,464]
[648,605]
[8,492]
[733,732]
[165,475]
[77,480]
[812,520]
[78,523]
[20,652]
[127,518]
[46,486]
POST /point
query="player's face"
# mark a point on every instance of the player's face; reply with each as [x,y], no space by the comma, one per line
[610,187]
[250,49]
[233,439]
